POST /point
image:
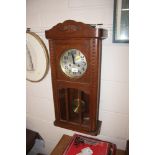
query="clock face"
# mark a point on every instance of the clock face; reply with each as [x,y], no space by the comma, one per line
[73,63]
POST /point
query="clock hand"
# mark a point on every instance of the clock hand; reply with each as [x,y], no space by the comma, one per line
[73,58]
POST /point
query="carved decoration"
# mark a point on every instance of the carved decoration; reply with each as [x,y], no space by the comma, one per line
[69,28]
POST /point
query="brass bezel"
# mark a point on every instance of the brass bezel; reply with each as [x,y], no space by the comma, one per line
[63,69]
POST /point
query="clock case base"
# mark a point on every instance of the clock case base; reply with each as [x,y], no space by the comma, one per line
[74,128]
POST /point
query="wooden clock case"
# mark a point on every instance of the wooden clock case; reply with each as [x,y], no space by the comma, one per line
[76,100]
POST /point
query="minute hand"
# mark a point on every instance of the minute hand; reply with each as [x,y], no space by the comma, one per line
[73,58]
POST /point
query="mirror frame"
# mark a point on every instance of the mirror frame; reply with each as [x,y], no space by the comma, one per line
[117,38]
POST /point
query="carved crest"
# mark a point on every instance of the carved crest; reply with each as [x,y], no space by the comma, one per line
[69,28]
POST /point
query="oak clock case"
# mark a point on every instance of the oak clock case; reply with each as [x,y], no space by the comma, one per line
[75,57]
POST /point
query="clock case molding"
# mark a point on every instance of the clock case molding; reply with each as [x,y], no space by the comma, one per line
[76,35]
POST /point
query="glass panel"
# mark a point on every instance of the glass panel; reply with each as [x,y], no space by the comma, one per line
[125,4]
[86,117]
[125,24]
[62,104]
[74,106]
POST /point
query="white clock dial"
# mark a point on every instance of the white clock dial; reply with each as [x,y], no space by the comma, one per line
[73,63]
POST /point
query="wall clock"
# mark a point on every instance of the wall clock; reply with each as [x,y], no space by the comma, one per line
[75,57]
[37,60]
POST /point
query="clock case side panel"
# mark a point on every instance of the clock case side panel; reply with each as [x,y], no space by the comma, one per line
[53,79]
[99,77]
[95,62]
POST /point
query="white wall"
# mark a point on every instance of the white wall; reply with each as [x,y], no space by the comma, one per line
[42,15]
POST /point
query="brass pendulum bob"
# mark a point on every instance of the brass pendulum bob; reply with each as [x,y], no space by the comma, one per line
[77,104]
